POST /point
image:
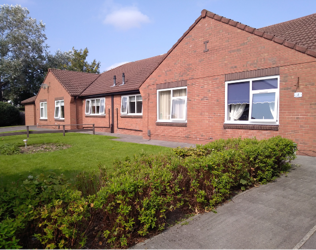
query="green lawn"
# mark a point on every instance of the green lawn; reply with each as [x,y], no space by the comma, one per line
[85,154]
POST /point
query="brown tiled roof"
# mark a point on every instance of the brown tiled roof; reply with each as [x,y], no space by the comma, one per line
[135,74]
[73,81]
[29,100]
[301,30]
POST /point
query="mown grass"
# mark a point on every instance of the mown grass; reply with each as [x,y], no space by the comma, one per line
[85,154]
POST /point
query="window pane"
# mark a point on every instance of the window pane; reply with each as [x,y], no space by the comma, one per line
[178,109]
[87,107]
[238,93]
[92,106]
[97,106]
[139,107]
[131,107]
[62,112]
[238,112]
[45,109]
[179,92]
[57,111]
[42,112]
[102,106]
[263,106]
[265,84]
[139,98]
[62,103]
[164,105]
[124,104]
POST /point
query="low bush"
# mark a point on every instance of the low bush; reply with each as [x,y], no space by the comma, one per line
[9,149]
[9,114]
[115,209]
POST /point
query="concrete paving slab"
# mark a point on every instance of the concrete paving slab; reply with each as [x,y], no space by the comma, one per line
[276,215]
[310,243]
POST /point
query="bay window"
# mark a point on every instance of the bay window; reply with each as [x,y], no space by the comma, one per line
[132,105]
[95,106]
[252,100]
[172,105]
[59,110]
[43,110]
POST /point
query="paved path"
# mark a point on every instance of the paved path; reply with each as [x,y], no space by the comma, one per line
[281,214]
[140,140]
[15,128]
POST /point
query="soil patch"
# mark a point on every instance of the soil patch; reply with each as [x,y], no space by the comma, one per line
[37,148]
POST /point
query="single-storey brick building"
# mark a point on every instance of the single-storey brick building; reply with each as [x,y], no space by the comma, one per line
[222,79]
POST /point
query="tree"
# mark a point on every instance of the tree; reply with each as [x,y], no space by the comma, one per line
[78,62]
[22,51]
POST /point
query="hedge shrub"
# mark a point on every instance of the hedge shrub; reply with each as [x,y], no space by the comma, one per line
[9,114]
[135,200]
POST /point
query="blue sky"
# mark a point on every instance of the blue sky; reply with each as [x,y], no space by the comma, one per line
[124,31]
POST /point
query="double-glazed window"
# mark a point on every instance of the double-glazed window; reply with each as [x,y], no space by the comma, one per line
[132,105]
[59,110]
[172,105]
[43,110]
[95,106]
[253,100]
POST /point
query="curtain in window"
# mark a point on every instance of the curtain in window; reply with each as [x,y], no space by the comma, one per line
[124,104]
[178,108]
[236,111]
[179,92]
[45,109]
[62,109]
[164,105]
[102,106]
[87,107]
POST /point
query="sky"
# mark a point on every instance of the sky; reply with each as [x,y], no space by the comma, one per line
[120,31]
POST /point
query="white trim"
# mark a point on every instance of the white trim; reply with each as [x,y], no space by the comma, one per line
[274,121]
[90,108]
[171,96]
[43,117]
[127,105]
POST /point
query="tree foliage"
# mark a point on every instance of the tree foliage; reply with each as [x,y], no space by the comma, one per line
[78,62]
[24,56]
[22,51]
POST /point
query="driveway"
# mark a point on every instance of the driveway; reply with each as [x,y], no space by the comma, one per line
[281,214]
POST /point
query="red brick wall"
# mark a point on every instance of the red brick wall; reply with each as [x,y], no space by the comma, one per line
[123,122]
[55,90]
[30,118]
[231,50]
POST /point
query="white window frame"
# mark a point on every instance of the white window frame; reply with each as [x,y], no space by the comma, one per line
[127,105]
[42,107]
[274,121]
[57,104]
[171,95]
[95,100]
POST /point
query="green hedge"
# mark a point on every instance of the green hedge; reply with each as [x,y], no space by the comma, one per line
[113,210]
[9,114]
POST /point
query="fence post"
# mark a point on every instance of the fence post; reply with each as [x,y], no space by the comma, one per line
[93,129]
[64,130]
[27,131]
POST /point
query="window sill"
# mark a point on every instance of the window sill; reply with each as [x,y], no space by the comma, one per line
[131,116]
[43,119]
[172,124]
[251,127]
[59,120]
[99,116]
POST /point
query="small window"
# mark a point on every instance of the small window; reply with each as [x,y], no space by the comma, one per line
[172,104]
[132,105]
[59,110]
[95,106]
[253,100]
[43,110]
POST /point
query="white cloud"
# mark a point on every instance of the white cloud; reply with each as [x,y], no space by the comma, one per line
[115,65]
[126,18]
